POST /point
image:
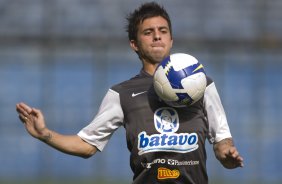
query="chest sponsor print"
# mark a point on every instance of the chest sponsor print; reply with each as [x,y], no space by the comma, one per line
[166,122]
[164,173]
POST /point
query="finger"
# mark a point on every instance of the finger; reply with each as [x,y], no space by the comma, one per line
[23,118]
[237,158]
[239,163]
[234,153]
[24,107]
[240,159]
[23,114]
[21,110]
[37,113]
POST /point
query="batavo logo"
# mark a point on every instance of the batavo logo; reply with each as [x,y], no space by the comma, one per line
[166,122]
[164,173]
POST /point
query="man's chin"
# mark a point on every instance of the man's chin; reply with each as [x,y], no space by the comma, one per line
[159,58]
[156,58]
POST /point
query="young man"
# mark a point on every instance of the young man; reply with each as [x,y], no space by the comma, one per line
[156,156]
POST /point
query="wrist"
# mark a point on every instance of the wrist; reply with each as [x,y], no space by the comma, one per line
[221,148]
[46,135]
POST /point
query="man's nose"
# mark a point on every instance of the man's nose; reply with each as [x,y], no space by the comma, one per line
[157,36]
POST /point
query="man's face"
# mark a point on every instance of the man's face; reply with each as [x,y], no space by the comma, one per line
[154,40]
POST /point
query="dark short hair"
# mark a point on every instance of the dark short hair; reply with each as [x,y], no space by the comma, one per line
[147,10]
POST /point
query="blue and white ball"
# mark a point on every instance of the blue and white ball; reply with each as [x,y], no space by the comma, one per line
[180,80]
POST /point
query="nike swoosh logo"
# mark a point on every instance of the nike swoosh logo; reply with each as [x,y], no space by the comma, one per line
[198,68]
[136,94]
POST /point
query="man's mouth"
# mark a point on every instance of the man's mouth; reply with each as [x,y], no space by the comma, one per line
[158,45]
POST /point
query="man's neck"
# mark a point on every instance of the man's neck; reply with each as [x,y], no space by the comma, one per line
[150,68]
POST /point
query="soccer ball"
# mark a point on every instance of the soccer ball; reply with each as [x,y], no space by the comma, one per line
[180,80]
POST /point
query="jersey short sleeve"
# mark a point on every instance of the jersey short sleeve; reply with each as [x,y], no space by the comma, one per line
[108,119]
[218,125]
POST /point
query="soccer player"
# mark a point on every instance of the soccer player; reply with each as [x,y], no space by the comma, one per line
[166,144]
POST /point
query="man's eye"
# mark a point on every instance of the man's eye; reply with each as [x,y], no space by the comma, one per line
[147,32]
[164,31]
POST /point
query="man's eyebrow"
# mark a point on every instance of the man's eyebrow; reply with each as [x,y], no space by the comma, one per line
[159,27]
[163,27]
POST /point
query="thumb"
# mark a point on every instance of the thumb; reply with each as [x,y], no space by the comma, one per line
[37,112]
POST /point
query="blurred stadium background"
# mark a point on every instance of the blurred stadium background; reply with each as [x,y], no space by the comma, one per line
[62,55]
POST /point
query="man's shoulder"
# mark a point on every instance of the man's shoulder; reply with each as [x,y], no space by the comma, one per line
[133,82]
[209,80]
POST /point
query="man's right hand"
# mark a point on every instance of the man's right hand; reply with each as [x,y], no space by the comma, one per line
[33,121]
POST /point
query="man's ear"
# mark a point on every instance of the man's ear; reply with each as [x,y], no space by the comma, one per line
[133,45]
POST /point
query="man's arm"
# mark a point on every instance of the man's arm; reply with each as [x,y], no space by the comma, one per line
[227,154]
[34,123]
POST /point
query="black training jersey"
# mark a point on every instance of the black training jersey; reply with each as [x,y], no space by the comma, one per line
[167,144]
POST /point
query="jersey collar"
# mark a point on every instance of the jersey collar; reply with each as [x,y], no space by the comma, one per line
[143,73]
